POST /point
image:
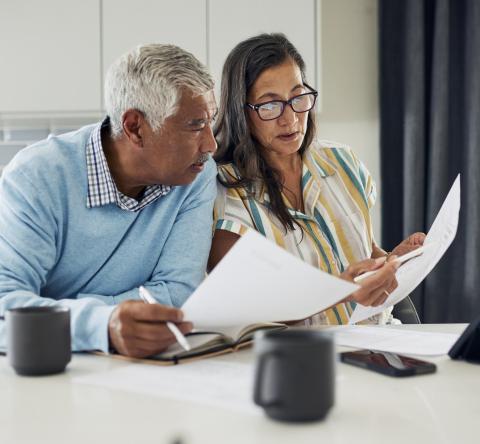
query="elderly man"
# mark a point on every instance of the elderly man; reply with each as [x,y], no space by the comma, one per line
[89,216]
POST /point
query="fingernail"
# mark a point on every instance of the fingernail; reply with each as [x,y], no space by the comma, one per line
[380,260]
[179,315]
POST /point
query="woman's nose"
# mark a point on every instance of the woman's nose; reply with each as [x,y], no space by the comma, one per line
[288,117]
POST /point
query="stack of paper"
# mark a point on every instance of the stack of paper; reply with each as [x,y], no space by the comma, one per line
[412,273]
[393,340]
[257,281]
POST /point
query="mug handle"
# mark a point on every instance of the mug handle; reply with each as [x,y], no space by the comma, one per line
[259,376]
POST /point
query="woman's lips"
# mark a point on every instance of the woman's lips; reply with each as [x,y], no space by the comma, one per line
[289,136]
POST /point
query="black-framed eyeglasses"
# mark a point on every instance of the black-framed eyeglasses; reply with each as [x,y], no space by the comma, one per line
[273,109]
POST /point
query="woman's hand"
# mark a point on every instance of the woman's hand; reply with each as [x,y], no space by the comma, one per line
[376,288]
[412,242]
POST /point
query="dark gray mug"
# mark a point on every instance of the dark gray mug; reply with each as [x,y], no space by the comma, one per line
[38,339]
[294,374]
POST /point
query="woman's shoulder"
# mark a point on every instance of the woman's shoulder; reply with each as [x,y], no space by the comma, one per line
[335,154]
[228,172]
[325,147]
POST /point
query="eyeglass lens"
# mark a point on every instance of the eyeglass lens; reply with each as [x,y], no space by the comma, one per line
[274,109]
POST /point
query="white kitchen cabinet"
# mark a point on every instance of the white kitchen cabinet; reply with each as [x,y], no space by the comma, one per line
[50,56]
[54,53]
[127,24]
[230,21]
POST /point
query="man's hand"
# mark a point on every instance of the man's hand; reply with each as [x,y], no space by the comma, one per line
[374,289]
[412,242]
[138,330]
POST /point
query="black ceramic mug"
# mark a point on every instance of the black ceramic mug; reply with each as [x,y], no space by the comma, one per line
[38,339]
[294,374]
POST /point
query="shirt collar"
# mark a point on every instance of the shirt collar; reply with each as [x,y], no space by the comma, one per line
[314,169]
[102,189]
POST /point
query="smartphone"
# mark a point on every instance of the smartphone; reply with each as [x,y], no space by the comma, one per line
[390,364]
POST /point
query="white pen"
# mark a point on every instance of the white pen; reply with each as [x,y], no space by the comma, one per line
[400,260]
[149,299]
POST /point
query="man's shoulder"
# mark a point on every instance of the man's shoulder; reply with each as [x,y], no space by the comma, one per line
[48,157]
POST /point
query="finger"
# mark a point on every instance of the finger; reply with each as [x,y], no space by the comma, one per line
[141,311]
[377,297]
[393,286]
[371,298]
[381,300]
[140,348]
[390,288]
[418,238]
[363,266]
[373,287]
[150,331]
[379,279]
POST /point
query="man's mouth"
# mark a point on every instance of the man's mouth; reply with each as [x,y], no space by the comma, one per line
[202,159]
[198,165]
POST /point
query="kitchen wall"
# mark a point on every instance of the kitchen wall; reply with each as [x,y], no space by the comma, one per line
[350,111]
[346,74]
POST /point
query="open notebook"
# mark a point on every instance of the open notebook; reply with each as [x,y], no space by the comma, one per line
[212,343]
[256,285]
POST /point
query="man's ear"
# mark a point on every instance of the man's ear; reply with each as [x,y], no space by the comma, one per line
[133,122]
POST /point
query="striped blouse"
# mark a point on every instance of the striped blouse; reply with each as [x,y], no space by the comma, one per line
[338,193]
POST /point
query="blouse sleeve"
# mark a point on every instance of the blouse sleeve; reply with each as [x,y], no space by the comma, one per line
[230,212]
[366,179]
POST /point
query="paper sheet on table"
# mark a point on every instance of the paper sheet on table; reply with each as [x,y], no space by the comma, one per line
[210,382]
[413,272]
[257,281]
[394,340]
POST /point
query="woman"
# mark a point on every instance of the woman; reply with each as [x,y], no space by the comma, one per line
[311,197]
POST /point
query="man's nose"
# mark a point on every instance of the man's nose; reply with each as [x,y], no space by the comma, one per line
[209,144]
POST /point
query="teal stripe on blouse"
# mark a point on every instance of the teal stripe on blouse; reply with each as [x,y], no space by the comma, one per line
[306,178]
[257,219]
[319,245]
[337,315]
[363,178]
[350,174]
[331,239]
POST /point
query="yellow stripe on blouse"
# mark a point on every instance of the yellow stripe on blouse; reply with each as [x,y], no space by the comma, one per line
[336,228]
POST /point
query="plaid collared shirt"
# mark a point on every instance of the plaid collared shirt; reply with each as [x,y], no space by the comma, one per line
[101,186]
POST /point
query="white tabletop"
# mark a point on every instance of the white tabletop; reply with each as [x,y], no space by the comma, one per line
[369,408]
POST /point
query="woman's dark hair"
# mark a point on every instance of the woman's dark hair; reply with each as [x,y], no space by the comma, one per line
[242,68]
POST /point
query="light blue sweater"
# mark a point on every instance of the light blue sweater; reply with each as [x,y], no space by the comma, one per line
[55,250]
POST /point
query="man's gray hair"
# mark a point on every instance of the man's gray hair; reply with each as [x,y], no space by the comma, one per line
[149,79]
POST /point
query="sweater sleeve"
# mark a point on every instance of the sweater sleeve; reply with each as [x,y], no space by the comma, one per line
[28,251]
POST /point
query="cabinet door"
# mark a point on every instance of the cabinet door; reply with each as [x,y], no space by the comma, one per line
[127,24]
[50,53]
[231,21]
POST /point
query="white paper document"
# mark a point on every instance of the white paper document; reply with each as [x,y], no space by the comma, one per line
[413,272]
[257,281]
[393,340]
[210,382]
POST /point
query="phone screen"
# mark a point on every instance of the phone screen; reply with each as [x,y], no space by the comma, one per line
[387,363]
